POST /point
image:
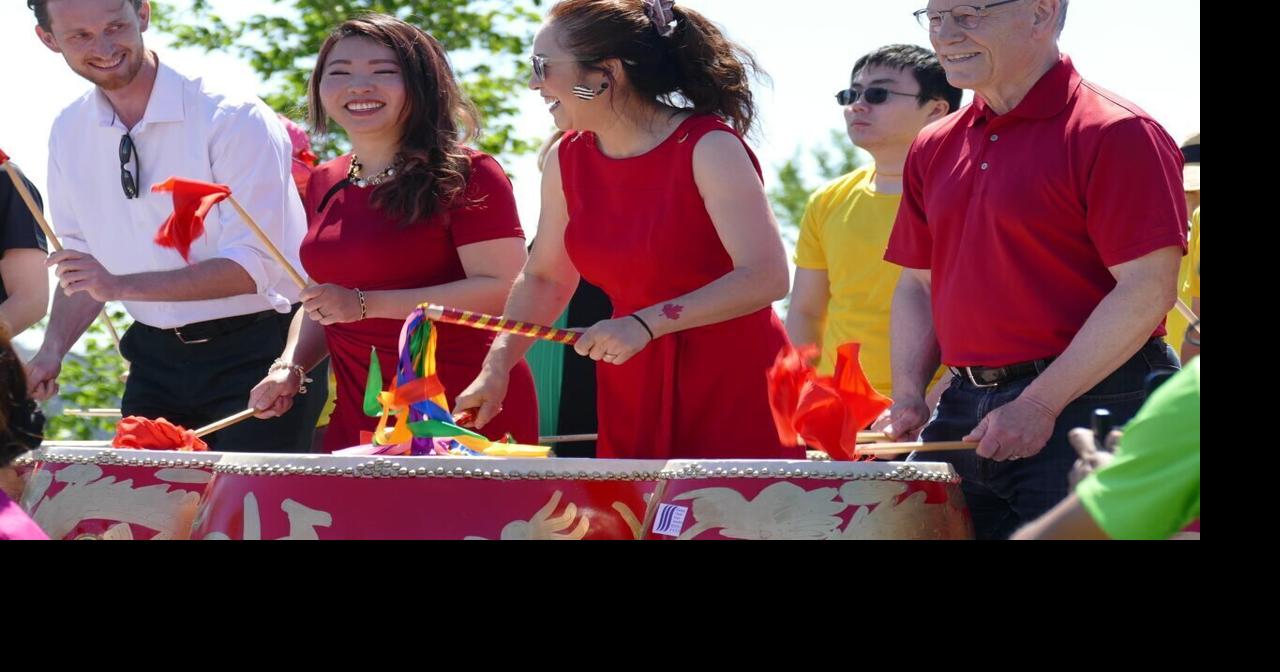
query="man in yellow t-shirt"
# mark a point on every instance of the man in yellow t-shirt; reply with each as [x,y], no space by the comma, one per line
[843,288]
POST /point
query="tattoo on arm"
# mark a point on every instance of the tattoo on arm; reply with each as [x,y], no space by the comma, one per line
[672,311]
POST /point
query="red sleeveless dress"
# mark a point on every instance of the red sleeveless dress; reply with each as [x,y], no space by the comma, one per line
[639,230]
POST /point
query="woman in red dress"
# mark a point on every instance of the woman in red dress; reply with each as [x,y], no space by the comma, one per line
[412,216]
[663,208]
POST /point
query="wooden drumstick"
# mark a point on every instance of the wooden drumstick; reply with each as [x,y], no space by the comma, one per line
[266,241]
[567,438]
[92,412]
[25,194]
[226,422]
[899,448]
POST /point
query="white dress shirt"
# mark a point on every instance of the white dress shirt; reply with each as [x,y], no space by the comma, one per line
[191,132]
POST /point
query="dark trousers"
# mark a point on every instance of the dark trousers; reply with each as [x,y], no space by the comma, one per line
[1003,496]
[195,384]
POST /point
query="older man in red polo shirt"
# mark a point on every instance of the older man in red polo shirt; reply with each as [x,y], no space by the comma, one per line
[1041,229]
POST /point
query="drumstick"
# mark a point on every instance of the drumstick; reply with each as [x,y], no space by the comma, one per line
[92,412]
[1187,312]
[25,195]
[872,437]
[899,448]
[271,247]
[568,438]
[501,325]
[226,422]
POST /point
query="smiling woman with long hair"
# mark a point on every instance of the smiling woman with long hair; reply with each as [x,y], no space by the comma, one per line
[653,196]
[413,215]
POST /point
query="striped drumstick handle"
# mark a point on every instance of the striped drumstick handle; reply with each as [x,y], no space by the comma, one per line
[493,323]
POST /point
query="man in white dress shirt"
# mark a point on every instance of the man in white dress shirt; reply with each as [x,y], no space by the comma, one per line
[206,329]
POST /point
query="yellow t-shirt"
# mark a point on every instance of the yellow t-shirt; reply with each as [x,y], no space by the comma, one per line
[1188,286]
[844,232]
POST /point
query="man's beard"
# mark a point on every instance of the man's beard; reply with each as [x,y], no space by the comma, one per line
[117,79]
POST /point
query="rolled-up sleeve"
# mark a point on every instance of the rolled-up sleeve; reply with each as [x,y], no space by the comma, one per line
[251,154]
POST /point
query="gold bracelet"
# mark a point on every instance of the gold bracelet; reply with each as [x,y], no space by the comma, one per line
[364,308]
[281,365]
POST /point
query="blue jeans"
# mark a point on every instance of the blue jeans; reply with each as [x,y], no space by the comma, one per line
[1003,496]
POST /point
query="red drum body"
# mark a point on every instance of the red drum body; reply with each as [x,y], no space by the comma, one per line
[103,493]
[738,499]
[340,497]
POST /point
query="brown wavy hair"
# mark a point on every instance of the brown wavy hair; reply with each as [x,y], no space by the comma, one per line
[697,64]
[21,425]
[437,119]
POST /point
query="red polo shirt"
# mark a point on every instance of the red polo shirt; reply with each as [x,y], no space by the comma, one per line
[1019,215]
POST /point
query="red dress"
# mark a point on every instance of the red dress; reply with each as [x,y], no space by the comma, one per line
[639,230]
[352,244]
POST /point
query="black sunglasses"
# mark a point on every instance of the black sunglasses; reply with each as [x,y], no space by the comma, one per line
[128,152]
[873,95]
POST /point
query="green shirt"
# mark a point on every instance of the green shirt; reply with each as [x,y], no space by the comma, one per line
[1152,488]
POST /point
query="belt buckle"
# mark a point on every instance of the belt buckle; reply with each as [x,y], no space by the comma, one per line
[181,339]
[968,370]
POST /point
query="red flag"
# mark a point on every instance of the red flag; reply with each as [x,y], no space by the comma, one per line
[787,378]
[192,200]
[4,158]
[827,411]
[159,434]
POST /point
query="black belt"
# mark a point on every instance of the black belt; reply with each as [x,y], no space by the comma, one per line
[991,376]
[203,332]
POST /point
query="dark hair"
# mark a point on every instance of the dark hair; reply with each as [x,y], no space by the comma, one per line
[922,63]
[41,8]
[21,424]
[695,64]
[438,118]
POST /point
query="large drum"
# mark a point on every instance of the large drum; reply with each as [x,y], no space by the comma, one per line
[341,497]
[737,499]
[79,492]
[103,493]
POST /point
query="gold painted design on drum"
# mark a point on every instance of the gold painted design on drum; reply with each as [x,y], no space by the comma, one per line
[544,527]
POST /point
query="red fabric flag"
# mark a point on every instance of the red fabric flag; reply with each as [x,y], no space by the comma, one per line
[192,200]
[159,434]
[826,411]
[4,158]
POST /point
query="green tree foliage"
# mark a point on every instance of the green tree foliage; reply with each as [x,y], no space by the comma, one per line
[92,377]
[281,44]
[791,190]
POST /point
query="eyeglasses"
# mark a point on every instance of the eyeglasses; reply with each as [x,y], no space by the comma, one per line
[967,17]
[874,95]
[128,181]
[540,65]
